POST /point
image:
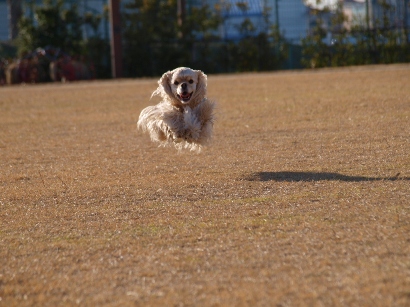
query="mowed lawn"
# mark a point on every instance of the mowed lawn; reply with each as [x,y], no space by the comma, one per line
[302,199]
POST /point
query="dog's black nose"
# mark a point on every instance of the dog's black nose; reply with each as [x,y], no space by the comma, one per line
[183,85]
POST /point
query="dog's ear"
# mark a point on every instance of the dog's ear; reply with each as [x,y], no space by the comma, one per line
[164,88]
[200,91]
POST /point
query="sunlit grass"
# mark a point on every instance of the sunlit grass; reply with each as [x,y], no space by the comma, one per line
[301,199]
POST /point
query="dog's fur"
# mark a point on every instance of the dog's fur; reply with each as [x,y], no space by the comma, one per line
[184,117]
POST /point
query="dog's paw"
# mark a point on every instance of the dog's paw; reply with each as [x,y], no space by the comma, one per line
[177,137]
[191,136]
[173,135]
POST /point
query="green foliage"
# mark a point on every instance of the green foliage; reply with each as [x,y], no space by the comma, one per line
[261,52]
[154,41]
[342,47]
[52,25]
[255,51]
[153,47]
[7,50]
[315,52]
[98,53]
[140,35]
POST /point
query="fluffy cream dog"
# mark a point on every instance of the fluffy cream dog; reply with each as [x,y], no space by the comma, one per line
[185,116]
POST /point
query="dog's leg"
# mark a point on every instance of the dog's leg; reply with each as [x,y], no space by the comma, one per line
[205,114]
[173,125]
[192,125]
[159,122]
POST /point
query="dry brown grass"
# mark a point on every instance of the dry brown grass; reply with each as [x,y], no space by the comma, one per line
[302,199]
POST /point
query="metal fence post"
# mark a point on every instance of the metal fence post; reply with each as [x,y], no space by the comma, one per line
[116,41]
[406,21]
[367,15]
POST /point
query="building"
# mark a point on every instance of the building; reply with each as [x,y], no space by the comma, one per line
[4,21]
[355,12]
[293,19]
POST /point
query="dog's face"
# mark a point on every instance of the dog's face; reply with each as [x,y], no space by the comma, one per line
[183,84]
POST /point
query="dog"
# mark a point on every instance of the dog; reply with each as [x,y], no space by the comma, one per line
[185,116]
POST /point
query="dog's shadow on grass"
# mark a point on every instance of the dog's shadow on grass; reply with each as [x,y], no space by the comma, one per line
[315,176]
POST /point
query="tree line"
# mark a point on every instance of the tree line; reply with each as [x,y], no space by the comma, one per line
[156,38]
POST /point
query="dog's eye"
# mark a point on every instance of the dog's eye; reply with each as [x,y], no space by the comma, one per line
[176,82]
[191,81]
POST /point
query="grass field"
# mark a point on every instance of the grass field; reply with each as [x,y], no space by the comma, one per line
[303,198]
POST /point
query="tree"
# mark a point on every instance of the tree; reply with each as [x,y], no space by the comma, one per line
[315,51]
[52,25]
[261,50]
[57,25]
[149,26]
[342,49]
[154,41]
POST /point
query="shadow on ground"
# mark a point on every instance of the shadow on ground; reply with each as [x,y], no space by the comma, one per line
[315,176]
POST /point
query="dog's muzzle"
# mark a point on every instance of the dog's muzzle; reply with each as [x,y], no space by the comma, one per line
[185,96]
